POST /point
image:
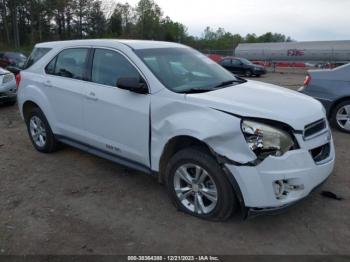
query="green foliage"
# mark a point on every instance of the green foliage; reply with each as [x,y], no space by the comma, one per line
[26,22]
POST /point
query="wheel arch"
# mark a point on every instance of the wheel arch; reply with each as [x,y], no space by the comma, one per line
[176,144]
[180,142]
[27,107]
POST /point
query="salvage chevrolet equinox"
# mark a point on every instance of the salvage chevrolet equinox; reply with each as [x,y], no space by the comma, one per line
[220,143]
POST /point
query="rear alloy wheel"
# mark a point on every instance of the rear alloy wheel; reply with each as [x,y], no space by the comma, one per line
[37,131]
[198,186]
[341,116]
[40,132]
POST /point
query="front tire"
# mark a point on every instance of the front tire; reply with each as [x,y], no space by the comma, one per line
[198,186]
[40,132]
[341,116]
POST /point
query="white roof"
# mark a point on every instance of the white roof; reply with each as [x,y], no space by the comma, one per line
[135,44]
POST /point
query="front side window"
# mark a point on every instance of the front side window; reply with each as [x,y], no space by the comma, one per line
[69,63]
[108,66]
[184,70]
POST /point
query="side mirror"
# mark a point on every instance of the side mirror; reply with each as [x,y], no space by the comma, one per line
[132,84]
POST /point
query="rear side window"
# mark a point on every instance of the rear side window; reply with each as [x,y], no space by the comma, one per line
[236,62]
[69,63]
[226,62]
[36,55]
[108,66]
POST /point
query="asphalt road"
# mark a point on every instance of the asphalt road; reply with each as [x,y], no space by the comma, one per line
[71,202]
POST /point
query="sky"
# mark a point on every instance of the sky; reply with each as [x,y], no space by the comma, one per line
[303,20]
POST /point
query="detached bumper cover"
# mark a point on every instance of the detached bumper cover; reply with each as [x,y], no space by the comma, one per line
[254,212]
[296,167]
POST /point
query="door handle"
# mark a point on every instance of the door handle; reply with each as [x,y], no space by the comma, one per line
[91,96]
[47,83]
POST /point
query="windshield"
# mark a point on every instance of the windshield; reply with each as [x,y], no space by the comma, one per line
[246,61]
[184,70]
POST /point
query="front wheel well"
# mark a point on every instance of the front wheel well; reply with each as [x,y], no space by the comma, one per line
[176,144]
[28,106]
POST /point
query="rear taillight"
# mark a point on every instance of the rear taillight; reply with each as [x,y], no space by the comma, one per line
[307,80]
[18,79]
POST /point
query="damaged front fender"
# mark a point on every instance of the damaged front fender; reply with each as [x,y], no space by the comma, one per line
[221,132]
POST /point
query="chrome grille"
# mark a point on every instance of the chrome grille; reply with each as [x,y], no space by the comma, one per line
[314,129]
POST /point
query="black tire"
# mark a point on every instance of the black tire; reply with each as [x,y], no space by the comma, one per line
[51,144]
[226,200]
[248,73]
[10,103]
[335,111]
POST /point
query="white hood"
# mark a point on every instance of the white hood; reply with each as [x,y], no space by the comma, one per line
[261,100]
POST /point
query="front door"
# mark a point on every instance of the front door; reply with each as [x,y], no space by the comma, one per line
[116,120]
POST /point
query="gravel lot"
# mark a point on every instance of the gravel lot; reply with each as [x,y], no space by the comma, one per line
[71,202]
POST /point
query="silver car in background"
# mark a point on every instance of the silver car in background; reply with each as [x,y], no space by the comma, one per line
[8,89]
[332,88]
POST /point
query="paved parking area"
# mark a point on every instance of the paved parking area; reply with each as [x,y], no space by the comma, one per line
[71,202]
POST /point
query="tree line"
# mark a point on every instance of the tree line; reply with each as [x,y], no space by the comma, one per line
[26,22]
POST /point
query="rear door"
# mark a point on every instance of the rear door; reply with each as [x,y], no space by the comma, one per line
[237,66]
[116,120]
[64,84]
[227,63]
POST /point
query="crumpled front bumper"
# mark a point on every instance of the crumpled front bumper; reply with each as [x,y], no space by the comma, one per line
[297,168]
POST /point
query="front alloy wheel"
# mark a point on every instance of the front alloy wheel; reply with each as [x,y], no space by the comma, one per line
[195,189]
[198,185]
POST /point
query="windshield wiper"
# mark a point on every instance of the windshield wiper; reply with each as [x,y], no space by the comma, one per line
[196,90]
[227,83]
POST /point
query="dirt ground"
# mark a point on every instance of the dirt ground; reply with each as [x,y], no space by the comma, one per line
[71,202]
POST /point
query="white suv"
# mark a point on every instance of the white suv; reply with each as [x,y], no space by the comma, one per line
[217,141]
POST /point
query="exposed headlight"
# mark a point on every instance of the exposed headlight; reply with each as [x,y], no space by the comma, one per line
[7,78]
[265,140]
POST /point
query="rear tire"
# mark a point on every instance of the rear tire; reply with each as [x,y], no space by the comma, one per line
[340,117]
[198,186]
[248,73]
[40,132]
[10,103]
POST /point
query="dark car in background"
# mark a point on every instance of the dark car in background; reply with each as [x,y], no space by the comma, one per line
[242,66]
[12,61]
[332,88]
